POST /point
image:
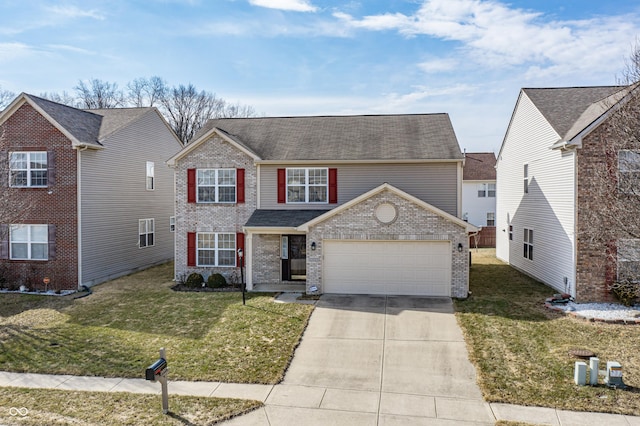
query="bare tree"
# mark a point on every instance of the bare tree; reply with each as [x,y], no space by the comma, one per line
[6,96]
[146,92]
[185,107]
[62,98]
[99,94]
[188,109]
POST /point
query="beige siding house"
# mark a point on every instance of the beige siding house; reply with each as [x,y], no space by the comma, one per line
[103,192]
[352,204]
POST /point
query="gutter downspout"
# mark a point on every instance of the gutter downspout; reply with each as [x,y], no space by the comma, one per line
[79,208]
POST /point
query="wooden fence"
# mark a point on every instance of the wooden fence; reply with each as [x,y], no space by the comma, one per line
[486,238]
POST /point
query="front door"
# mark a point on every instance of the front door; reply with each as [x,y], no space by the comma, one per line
[294,257]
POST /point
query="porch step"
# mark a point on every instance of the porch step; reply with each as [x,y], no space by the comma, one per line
[283,288]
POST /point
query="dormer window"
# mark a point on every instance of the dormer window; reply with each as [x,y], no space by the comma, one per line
[28,169]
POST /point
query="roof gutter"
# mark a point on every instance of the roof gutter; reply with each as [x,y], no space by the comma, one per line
[372,161]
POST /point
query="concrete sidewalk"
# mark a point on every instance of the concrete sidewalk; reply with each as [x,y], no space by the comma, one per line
[320,406]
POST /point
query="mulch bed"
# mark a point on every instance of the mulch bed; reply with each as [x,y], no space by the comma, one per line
[182,287]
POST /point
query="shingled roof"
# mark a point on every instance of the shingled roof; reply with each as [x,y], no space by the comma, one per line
[565,107]
[88,126]
[83,125]
[362,137]
[479,166]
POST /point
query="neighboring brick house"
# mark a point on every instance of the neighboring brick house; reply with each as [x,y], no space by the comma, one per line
[93,202]
[352,204]
[556,144]
[479,196]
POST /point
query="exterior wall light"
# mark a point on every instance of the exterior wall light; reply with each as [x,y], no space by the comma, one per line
[313,245]
[460,247]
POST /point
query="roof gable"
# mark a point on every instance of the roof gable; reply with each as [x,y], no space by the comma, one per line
[343,138]
[114,119]
[386,187]
[479,166]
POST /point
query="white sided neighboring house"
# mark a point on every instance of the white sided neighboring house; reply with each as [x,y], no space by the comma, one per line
[555,140]
[479,195]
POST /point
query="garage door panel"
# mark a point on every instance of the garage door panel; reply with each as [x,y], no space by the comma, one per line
[387,267]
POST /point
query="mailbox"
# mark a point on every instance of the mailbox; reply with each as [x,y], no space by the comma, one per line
[156,369]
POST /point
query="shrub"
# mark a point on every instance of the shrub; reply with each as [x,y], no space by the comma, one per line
[216,281]
[626,291]
[194,280]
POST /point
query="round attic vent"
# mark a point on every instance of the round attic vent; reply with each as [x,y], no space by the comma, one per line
[386,212]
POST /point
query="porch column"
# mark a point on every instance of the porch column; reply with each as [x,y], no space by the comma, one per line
[248,260]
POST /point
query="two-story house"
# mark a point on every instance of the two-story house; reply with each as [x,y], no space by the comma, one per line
[94,196]
[344,204]
[557,170]
[479,196]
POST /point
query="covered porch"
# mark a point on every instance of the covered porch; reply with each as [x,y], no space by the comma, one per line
[276,250]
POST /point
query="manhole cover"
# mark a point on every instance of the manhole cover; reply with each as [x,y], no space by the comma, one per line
[581,353]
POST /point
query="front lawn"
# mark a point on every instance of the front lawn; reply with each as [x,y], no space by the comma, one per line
[58,407]
[118,330]
[521,349]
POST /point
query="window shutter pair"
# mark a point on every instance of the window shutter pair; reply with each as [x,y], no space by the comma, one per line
[191,186]
[333,186]
[4,242]
[192,249]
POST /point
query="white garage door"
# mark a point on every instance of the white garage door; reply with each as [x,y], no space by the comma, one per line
[421,268]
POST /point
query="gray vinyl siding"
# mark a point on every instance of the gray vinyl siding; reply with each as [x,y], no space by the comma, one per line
[114,197]
[548,208]
[434,183]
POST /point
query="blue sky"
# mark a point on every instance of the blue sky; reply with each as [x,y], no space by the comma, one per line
[468,58]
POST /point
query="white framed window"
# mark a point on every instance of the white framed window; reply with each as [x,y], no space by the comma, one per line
[216,249]
[491,219]
[526,178]
[150,175]
[482,190]
[491,190]
[216,185]
[29,242]
[172,224]
[28,169]
[146,231]
[629,171]
[628,252]
[528,244]
[309,185]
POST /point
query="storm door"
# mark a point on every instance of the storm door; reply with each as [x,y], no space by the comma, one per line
[294,257]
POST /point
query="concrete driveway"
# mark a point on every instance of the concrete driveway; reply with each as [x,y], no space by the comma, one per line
[378,360]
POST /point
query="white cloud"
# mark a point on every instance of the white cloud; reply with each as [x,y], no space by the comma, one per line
[12,51]
[291,5]
[439,65]
[72,12]
[68,48]
[496,36]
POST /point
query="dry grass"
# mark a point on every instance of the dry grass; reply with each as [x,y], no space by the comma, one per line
[117,331]
[58,407]
[521,349]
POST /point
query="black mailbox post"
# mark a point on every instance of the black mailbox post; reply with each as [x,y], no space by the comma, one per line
[158,371]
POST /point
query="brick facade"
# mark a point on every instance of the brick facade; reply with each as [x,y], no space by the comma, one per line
[196,217]
[413,223]
[266,259]
[27,130]
[597,168]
